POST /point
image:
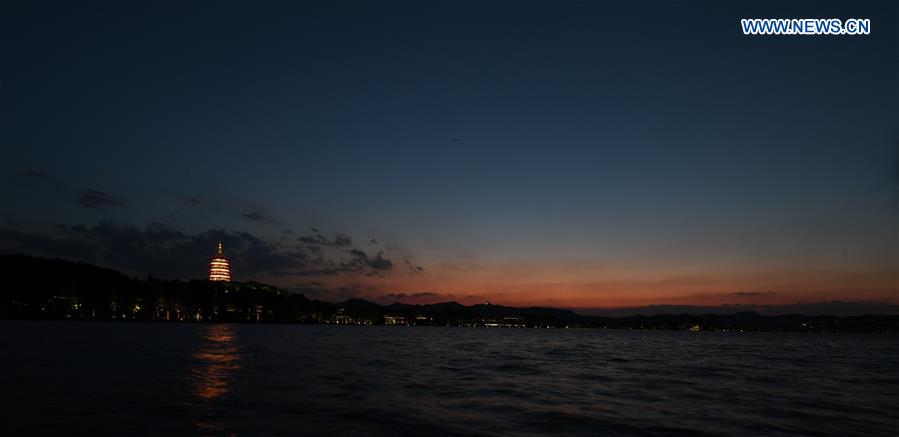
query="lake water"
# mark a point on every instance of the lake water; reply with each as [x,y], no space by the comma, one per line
[156,378]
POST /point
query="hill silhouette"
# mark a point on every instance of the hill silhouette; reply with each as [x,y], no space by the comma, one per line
[40,288]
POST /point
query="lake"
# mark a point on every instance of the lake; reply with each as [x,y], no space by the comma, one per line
[127,378]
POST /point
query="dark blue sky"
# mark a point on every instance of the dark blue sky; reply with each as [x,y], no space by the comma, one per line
[567,153]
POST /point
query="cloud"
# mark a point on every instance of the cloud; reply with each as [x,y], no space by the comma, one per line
[32,178]
[359,254]
[169,253]
[38,175]
[753,293]
[412,267]
[318,239]
[311,240]
[380,263]
[319,272]
[341,240]
[98,200]
[341,248]
[833,308]
[418,298]
[361,261]
[260,217]
[192,200]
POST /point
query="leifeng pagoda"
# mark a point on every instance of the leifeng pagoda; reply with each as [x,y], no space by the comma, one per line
[219,270]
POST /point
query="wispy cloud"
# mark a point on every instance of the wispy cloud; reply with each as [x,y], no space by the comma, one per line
[38,175]
[834,308]
[260,216]
[753,293]
[95,199]
[32,178]
[192,200]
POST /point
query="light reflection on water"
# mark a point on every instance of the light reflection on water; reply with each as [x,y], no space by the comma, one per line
[215,361]
[210,379]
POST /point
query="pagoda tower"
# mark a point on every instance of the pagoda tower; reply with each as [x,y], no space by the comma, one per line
[219,270]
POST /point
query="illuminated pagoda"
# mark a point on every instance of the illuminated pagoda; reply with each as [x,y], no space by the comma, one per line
[219,270]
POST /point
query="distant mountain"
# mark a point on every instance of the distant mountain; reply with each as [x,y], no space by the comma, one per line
[39,288]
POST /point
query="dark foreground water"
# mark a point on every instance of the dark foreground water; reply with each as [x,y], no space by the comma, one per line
[157,378]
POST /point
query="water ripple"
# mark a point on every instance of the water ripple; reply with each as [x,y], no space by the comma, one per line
[327,380]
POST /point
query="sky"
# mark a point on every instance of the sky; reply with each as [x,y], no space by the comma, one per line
[555,153]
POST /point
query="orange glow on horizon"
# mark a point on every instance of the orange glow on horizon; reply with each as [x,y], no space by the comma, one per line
[585,287]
